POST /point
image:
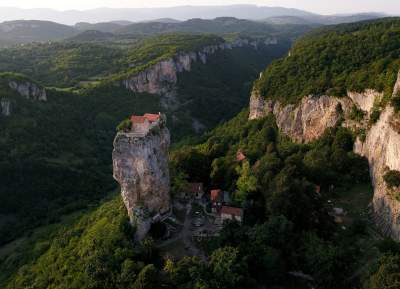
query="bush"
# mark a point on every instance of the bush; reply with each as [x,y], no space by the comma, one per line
[356,113]
[392,178]
[124,125]
[396,103]
[375,114]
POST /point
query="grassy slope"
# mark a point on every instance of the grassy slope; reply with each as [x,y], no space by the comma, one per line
[335,59]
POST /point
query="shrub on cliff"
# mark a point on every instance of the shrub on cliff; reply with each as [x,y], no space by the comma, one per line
[396,103]
[392,178]
[125,125]
[356,113]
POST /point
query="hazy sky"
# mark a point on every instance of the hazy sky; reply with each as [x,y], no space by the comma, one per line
[319,6]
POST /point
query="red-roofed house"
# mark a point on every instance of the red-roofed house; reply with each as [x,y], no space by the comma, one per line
[231,213]
[142,124]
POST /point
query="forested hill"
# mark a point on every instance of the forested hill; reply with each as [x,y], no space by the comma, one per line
[334,59]
[65,64]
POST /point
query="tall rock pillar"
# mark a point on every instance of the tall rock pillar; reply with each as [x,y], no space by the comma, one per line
[140,165]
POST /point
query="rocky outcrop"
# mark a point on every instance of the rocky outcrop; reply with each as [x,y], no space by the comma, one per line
[28,89]
[366,99]
[140,165]
[308,120]
[162,77]
[396,90]
[382,149]
[5,107]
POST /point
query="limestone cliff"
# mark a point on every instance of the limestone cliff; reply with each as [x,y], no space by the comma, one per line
[5,107]
[308,120]
[382,149]
[396,90]
[140,164]
[162,77]
[25,88]
[28,89]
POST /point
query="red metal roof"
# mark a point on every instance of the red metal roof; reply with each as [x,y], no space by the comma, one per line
[216,195]
[231,211]
[141,119]
[152,117]
[137,119]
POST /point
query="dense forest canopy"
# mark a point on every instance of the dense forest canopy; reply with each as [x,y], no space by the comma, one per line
[335,59]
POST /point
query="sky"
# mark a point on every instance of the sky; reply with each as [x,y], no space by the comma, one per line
[317,6]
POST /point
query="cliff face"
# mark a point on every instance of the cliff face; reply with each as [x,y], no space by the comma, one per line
[28,89]
[396,90]
[308,120]
[140,166]
[382,149]
[304,122]
[162,77]
[5,107]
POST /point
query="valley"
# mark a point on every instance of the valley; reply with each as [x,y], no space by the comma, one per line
[203,153]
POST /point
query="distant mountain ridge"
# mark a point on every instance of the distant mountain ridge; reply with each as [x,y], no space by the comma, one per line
[17,31]
[27,31]
[72,17]
[323,19]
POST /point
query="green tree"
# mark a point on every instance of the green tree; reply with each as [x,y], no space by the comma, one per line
[148,278]
[392,178]
[227,267]
[246,183]
[386,275]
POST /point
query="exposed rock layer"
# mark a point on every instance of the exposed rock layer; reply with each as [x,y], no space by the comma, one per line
[141,167]
[28,89]
[382,149]
[306,121]
[5,107]
[162,77]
